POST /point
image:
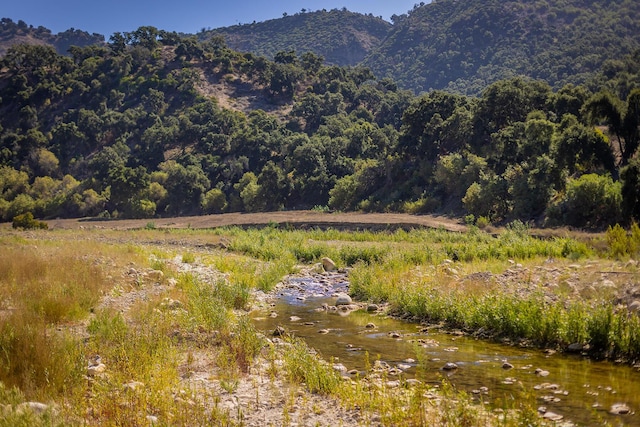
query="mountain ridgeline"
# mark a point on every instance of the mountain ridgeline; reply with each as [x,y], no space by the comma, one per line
[12,33]
[341,37]
[154,123]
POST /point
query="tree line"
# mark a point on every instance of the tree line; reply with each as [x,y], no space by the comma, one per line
[128,129]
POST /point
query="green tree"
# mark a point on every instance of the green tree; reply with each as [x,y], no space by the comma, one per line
[622,118]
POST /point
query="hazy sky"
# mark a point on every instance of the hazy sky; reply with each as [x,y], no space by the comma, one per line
[188,16]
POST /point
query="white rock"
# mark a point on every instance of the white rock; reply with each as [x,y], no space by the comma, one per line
[96,369]
[328,264]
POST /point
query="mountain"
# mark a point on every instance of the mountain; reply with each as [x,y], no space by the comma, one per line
[13,33]
[463,46]
[457,46]
[341,37]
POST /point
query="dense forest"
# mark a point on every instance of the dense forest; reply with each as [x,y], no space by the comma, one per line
[463,46]
[130,130]
[458,46]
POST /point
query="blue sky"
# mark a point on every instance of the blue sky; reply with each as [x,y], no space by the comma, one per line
[188,16]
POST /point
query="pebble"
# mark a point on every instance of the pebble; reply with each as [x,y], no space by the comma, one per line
[370,326]
[323,331]
[372,307]
[507,365]
[395,334]
[450,366]
[541,372]
[620,409]
[552,416]
[278,331]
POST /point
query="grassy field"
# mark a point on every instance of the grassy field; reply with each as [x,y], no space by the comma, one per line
[150,326]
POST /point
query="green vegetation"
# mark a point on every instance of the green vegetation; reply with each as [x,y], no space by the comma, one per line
[343,38]
[131,129]
[62,41]
[153,325]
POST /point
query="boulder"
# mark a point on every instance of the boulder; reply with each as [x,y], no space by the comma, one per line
[343,299]
[328,264]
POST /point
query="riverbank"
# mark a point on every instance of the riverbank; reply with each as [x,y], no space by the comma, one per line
[170,313]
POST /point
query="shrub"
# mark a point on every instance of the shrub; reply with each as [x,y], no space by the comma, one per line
[214,201]
[27,222]
[590,201]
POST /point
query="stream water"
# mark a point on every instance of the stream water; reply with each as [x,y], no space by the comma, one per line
[583,391]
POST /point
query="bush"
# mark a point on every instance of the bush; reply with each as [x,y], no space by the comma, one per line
[27,222]
[590,201]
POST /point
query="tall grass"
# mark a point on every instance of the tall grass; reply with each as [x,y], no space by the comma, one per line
[438,298]
[41,287]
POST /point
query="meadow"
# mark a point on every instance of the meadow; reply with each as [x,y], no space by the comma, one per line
[151,326]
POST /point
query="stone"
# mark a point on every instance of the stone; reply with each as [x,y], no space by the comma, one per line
[552,416]
[155,275]
[343,299]
[541,372]
[328,264]
[507,365]
[372,307]
[450,366]
[575,347]
[370,325]
[395,335]
[294,319]
[132,386]
[635,306]
[339,367]
[174,304]
[620,409]
[323,331]
[278,331]
[98,369]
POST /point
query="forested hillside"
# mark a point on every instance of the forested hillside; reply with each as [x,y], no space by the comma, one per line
[463,46]
[13,33]
[457,46]
[156,124]
[341,37]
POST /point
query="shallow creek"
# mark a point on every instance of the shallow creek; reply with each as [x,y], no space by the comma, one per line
[582,391]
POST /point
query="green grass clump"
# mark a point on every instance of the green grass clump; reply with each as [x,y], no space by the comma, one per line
[302,366]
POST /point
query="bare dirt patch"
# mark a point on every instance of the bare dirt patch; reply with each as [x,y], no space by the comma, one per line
[294,219]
